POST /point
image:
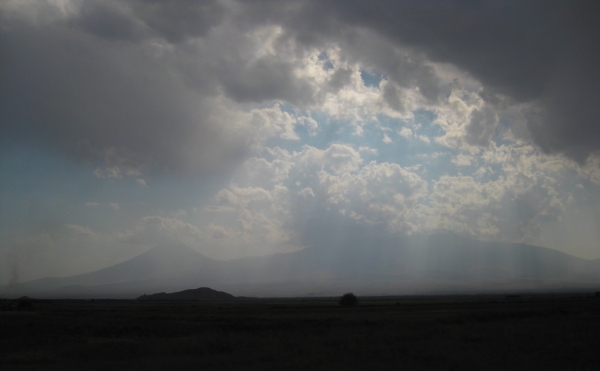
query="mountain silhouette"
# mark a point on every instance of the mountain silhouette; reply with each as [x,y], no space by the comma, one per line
[199,294]
[168,266]
[442,262]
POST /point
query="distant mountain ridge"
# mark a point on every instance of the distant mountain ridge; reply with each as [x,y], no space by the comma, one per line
[167,267]
[438,263]
[199,294]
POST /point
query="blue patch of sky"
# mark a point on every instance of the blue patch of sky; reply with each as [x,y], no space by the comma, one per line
[324,57]
[407,151]
[39,191]
[504,122]
[403,151]
[435,159]
[424,120]
[328,132]
[371,78]
[42,191]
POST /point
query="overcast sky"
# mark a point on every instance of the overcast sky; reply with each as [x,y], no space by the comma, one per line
[259,127]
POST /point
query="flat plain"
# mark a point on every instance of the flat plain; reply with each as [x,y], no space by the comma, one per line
[478,332]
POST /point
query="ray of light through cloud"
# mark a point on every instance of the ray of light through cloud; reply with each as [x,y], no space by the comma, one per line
[246,128]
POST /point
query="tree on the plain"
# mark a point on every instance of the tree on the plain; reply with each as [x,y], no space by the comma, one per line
[349,300]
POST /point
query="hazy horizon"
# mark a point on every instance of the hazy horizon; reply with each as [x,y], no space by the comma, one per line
[251,128]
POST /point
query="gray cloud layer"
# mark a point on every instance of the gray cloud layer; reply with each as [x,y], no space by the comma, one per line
[132,82]
[538,52]
[101,94]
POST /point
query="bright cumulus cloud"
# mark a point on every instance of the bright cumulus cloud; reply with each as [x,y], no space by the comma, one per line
[252,128]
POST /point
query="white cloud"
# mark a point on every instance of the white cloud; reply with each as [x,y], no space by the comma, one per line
[405,132]
[372,151]
[273,121]
[424,139]
[509,197]
[306,192]
[115,205]
[379,193]
[513,206]
[217,231]
[92,204]
[463,160]
[335,178]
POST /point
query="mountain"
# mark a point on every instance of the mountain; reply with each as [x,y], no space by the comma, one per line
[438,263]
[200,294]
[166,267]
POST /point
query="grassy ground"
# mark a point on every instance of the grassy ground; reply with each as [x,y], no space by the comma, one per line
[445,333]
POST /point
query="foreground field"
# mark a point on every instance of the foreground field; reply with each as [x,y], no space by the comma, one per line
[559,332]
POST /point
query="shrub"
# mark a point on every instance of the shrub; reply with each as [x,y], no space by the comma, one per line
[349,300]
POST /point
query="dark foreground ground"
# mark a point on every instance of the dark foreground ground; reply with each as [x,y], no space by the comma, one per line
[560,332]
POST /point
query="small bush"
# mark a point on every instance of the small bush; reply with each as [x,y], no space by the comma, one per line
[349,300]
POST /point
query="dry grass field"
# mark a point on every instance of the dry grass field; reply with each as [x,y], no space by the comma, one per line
[545,332]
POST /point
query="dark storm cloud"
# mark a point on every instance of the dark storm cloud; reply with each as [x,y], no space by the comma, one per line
[93,82]
[264,79]
[89,97]
[88,84]
[177,20]
[481,127]
[540,52]
[121,82]
[132,20]
[105,19]
[339,79]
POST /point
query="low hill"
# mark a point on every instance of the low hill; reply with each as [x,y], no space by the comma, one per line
[199,294]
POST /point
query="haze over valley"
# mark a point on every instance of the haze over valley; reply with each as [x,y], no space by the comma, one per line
[298,148]
[441,263]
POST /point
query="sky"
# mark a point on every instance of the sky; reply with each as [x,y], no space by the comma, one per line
[245,128]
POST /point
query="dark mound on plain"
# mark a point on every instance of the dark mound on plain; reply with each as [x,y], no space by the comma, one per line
[201,294]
